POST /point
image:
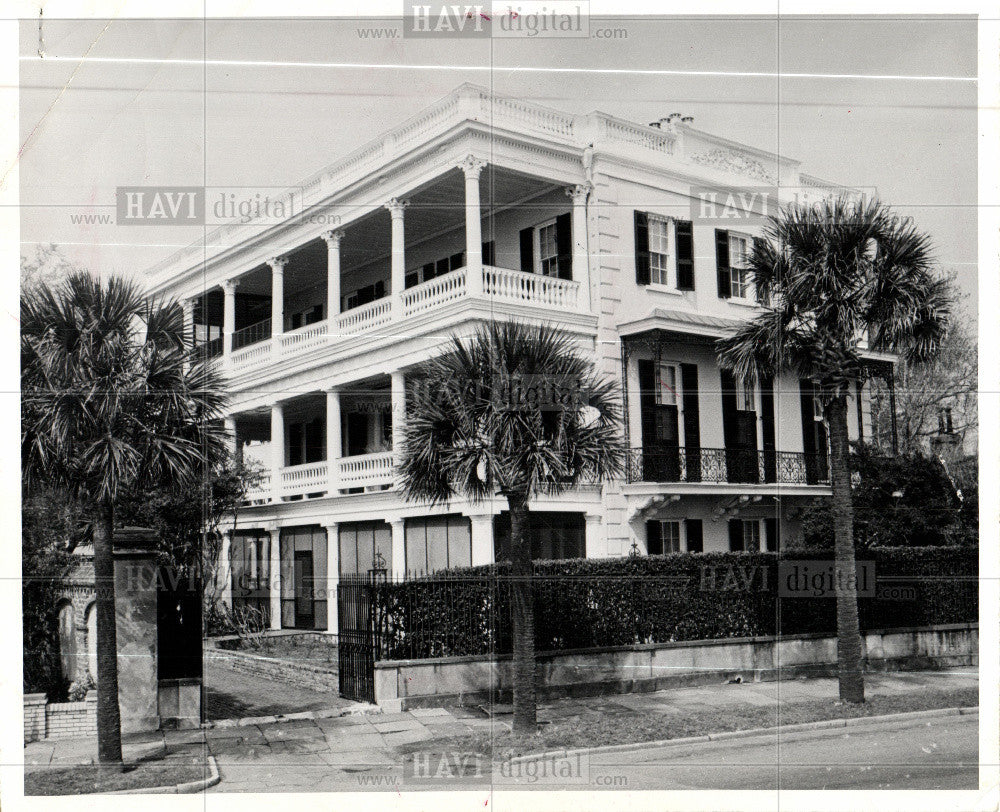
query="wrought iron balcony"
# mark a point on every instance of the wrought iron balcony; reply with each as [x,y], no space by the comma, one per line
[261,331]
[726,465]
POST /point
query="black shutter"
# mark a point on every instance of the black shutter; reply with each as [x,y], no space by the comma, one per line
[456,261]
[527,249]
[429,271]
[771,533]
[442,267]
[808,430]
[692,422]
[695,538]
[647,401]
[654,538]
[730,428]
[722,262]
[861,412]
[641,248]
[684,238]
[295,444]
[758,243]
[489,253]
[564,246]
[735,535]
[767,429]
[411,280]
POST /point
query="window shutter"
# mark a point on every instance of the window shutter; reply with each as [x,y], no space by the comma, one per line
[684,239]
[758,243]
[527,240]
[489,253]
[692,422]
[735,535]
[808,430]
[641,248]
[695,537]
[654,538]
[772,537]
[647,401]
[730,428]
[564,246]
[722,262]
[767,429]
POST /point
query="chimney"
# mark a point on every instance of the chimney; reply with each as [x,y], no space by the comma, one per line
[667,123]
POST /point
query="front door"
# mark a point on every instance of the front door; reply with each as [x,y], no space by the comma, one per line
[304,617]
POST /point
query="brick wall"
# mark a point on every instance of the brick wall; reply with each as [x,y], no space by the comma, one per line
[59,720]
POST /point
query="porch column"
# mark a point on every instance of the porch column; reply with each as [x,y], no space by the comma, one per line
[225,569]
[277,294]
[229,315]
[187,308]
[397,281]
[482,539]
[398,401]
[398,571]
[332,240]
[472,166]
[332,575]
[274,575]
[277,448]
[595,543]
[581,256]
[233,440]
[334,445]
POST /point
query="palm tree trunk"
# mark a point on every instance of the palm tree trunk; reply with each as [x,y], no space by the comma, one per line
[523,608]
[849,646]
[109,732]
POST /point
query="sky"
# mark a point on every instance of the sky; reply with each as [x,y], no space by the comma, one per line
[88,127]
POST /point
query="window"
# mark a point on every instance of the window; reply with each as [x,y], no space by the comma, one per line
[666,385]
[739,275]
[751,535]
[659,250]
[437,543]
[670,533]
[548,250]
[364,295]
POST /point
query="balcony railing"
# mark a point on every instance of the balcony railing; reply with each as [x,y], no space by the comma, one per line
[366,470]
[253,346]
[261,331]
[726,465]
[303,479]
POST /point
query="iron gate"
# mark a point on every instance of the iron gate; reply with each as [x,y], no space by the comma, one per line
[359,622]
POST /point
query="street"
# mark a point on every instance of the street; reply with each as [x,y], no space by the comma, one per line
[936,753]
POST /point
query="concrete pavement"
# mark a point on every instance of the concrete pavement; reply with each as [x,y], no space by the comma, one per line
[408,750]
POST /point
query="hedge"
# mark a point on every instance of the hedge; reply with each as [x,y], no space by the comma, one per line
[592,603]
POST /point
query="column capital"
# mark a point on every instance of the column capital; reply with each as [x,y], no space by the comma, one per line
[278,264]
[579,192]
[396,206]
[472,166]
[229,286]
[332,237]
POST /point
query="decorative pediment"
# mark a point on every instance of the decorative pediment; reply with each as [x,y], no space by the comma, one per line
[737,163]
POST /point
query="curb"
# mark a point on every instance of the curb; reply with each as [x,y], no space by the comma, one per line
[186,788]
[745,734]
[323,713]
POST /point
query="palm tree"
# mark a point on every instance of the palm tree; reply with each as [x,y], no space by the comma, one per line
[476,428]
[113,403]
[835,275]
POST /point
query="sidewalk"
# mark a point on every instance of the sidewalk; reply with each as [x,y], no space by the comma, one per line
[331,753]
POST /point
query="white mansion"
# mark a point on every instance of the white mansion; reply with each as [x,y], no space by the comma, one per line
[484,207]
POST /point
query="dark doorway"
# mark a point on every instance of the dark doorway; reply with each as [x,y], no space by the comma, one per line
[357,433]
[304,616]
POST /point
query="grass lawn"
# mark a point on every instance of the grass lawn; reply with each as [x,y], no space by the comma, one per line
[87,779]
[624,726]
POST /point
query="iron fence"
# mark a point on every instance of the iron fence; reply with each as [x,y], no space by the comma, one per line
[696,464]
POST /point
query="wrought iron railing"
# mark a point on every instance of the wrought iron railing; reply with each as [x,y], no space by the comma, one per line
[212,348]
[726,465]
[261,331]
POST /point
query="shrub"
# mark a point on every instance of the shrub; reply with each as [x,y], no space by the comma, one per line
[588,603]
